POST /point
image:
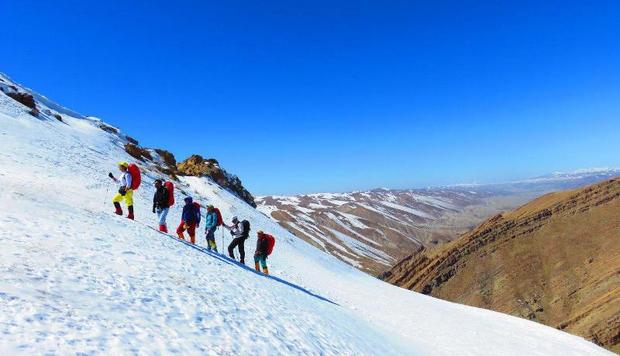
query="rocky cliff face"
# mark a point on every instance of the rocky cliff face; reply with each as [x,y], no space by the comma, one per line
[198,166]
[165,162]
[555,260]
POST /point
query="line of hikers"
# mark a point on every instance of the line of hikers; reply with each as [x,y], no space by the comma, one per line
[163,199]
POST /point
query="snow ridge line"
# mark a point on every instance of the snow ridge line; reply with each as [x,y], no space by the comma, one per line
[238,264]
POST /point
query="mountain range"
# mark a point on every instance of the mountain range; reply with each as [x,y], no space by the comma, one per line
[372,230]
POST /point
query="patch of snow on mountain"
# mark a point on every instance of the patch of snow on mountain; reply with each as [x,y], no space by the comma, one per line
[407,209]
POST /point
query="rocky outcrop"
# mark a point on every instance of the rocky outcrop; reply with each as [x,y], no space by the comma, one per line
[165,162]
[138,152]
[24,98]
[555,260]
[197,166]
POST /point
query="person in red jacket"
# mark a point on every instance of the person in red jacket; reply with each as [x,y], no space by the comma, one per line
[189,220]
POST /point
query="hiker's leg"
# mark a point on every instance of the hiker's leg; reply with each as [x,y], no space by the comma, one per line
[192,233]
[129,203]
[263,261]
[180,230]
[231,247]
[117,205]
[129,197]
[256,261]
[241,250]
[162,214]
[213,245]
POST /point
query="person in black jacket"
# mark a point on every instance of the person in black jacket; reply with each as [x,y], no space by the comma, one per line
[260,256]
[240,230]
[160,204]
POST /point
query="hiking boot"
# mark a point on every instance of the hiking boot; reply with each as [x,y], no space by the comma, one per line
[118,211]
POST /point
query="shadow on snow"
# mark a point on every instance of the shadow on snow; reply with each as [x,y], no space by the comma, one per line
[230,261]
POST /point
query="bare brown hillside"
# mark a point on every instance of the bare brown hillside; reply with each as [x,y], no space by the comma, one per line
[555,260]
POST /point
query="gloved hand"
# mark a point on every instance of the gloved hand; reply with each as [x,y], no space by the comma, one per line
[153,210]
[122,191]
[232,233]
[111,175]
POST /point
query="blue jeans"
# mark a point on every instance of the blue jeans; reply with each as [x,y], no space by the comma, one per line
[262,259]
[161,214]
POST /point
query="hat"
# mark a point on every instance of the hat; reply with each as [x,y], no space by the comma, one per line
[235,219]
[188,199]
[123,164]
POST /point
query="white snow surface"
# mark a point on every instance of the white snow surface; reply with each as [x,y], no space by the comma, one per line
[77,279]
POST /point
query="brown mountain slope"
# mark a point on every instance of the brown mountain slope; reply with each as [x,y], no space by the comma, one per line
[555,260]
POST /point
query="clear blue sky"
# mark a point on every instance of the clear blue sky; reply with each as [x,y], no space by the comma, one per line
[306,96]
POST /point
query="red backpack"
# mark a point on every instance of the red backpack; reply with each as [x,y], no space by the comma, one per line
[136,178]
[271,242]
[220,221]
[198,216]
[170,187]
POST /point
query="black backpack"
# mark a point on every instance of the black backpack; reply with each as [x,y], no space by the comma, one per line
[246,229]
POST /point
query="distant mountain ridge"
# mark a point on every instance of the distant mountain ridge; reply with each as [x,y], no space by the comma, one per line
[555,260]
[374,229]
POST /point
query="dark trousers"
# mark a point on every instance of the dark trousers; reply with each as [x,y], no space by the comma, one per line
[237,241]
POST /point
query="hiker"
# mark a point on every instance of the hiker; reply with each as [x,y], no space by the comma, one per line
[161,204]
[124,191]
[189,220]
[240,232]
[264,245]
[211,223]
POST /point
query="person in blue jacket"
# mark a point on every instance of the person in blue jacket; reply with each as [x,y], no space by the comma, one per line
[189,220]
[210,227]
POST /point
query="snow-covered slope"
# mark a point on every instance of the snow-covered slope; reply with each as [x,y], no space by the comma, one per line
[372,230]
[75,278]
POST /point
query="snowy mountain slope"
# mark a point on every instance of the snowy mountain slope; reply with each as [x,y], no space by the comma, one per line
[78,279]
[372,230]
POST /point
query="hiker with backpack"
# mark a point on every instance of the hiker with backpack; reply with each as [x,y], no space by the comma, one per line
[240,230]
[128,182]
[212,221]
[162,200]
[189,220]
[264,246]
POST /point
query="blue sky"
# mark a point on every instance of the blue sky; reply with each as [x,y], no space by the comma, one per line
[311,96]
